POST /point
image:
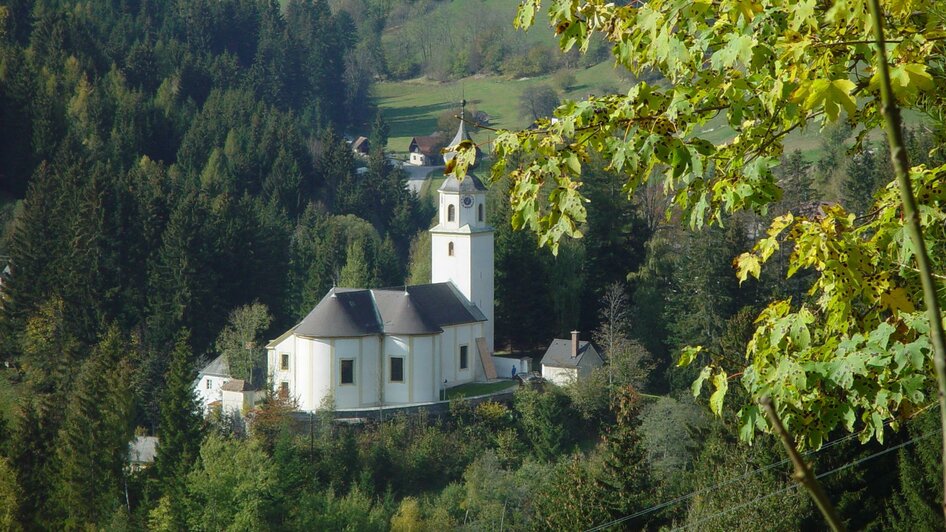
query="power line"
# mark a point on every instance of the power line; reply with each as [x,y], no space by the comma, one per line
[763,469]
[822,475]
[717,486]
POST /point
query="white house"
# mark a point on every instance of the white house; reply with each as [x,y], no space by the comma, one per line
[566,361]
[210,381]
[361,348]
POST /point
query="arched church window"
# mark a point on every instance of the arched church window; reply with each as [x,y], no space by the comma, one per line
[450,249]
[451,214]
[479,212]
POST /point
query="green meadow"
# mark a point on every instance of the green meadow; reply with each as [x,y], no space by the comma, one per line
[411,107]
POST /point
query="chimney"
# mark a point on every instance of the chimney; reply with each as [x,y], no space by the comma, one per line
[574,344]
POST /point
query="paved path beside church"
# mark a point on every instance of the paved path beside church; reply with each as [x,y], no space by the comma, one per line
[418,175]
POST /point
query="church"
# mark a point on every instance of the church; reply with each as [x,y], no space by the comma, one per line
[364,348]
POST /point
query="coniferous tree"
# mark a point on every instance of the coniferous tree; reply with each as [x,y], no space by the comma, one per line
[913,506]
[419,262]
[357,271]
[866,173]
[10,497]
[181,428]
[624,481]
[93,440]
[797,182]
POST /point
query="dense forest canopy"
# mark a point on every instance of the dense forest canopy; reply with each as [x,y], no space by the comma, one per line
[175,184]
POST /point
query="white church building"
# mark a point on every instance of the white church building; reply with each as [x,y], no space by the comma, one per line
[364,348]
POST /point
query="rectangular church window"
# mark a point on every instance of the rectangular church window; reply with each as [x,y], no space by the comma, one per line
[348,371]
[397,369]
[464,362]
[284,361]
[284,390]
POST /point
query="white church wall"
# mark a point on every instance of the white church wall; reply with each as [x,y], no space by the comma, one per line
[423,382]
[446,200]
[470,268]
[346,395]
[452,339]
[482,289]
[314,372]
[396,392]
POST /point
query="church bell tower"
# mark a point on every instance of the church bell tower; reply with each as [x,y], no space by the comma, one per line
[462,242]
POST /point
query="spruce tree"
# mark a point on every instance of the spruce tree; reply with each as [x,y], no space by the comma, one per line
[181,427]
[92,446]
[914,504]
[624,482]
[357,271]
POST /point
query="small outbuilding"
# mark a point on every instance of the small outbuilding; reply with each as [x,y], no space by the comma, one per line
[238,396]
[566,361]
[360,146]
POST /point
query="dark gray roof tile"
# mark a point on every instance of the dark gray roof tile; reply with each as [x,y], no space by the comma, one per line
[420,309]
[559,354]
[343,312]
[401,314]
[470,183]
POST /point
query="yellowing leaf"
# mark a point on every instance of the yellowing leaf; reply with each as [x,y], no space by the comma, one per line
[830,95]
[897,301]
[688,355]
[721,382]
[906,80]
[747,264]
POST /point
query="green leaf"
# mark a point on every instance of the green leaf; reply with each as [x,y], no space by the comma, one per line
[573,164]
[749,418]
[688,354]
[697,385]
[831,95]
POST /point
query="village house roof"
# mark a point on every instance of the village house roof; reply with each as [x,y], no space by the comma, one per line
[236,385]
[559,354]
[218,367]
[142,449]
[360,145]
[426,145]
[410,310]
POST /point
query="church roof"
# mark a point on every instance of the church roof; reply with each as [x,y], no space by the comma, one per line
[444,304]
[401,314]
[470,183]
[462,134]
[342,312]
[419,309]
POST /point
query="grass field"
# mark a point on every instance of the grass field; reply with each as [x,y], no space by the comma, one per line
[474,389]
[411,107]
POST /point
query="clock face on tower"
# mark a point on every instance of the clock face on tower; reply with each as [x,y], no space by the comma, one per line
[467,201]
